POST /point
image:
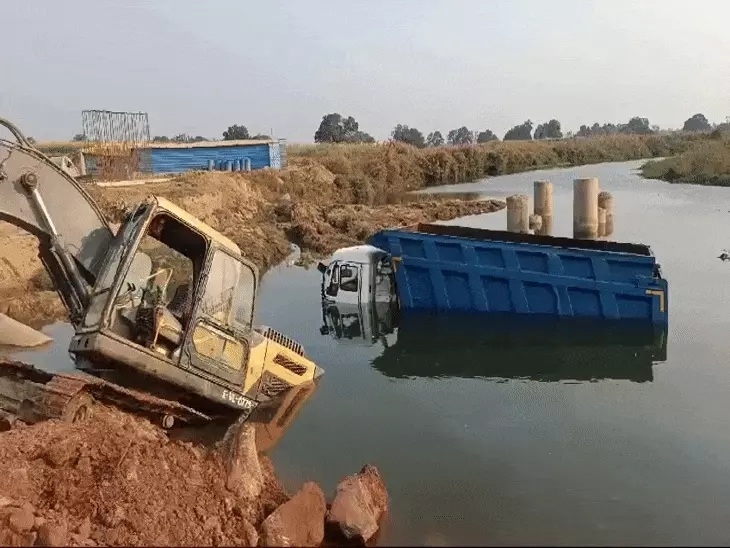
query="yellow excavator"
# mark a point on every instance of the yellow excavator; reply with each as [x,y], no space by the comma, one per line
[163,308]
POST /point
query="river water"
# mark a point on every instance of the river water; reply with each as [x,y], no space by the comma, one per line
[531,439]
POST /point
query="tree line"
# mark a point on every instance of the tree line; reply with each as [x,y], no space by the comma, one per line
[335,128]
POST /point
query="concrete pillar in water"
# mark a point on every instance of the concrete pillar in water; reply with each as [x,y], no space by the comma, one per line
[247,161]
[236,165]
[536,223]
[601,222]
[585,208]
[518,213]
[605,201]
[543,206]
[211,165]
[229,165]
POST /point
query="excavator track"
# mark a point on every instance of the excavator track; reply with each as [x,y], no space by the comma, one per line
[33,395]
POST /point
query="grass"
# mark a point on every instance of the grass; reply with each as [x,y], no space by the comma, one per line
[706,162]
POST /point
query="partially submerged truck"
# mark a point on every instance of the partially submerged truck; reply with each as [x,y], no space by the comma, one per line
[432,268]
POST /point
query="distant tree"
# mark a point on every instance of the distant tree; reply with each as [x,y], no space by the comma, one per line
[334,128]
[183,138]
[460,136]
[549,130]
[236,132]
[408,135]
[697,122]
[597,130]
[199,138]
[261,136]
[486,136]
[160,139]
[80,137]
[435,139]
[721,130]
[636,126]
[522,132]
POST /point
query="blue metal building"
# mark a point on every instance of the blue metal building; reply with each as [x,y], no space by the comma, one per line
[244,155]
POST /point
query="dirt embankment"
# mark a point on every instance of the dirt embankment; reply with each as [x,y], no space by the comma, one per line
[261,211]
[113,479]
[26,293]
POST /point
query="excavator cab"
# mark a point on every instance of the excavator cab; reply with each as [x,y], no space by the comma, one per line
[165,306]
[176,300]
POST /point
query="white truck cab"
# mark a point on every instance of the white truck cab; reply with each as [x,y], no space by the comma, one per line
[358,275]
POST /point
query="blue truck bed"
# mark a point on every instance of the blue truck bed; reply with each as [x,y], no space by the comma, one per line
[451,268]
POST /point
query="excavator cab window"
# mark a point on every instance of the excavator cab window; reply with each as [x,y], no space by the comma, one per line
[156,297]
[225,315]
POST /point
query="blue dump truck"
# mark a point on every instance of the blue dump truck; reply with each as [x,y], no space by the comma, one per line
[443,269]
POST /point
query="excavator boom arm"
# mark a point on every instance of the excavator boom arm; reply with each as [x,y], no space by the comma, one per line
[39,197]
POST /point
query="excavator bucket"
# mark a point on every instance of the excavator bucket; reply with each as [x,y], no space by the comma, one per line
[14,333]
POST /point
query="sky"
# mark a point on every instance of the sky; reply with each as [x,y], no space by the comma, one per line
[198,67]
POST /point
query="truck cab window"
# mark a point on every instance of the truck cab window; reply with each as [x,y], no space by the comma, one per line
[348,278]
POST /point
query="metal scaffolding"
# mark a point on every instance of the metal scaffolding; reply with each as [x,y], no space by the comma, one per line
[106,126]
[112,141]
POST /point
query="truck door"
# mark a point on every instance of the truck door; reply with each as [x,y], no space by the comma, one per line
[350,277]
[218,341]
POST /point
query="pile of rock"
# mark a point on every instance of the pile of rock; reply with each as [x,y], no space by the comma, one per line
[359,504]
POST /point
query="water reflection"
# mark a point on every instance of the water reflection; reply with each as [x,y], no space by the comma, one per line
[501,348]
[273,418]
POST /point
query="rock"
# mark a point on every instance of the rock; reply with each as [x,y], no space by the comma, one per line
[21,519]
[11,538]
[359,504]
[298,522]
[243,469]
[60,453]
[251,536]
[5,424]
[5,501]
[212,523]
[84,530]
[84,465]
[52,534]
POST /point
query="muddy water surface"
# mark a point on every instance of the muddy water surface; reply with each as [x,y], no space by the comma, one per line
[527,435]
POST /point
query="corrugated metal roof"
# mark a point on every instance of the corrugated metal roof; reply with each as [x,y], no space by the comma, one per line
[206,144]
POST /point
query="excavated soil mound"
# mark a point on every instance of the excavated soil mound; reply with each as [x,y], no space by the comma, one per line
[26,293]
[118,480]
[226,201]
[323,229]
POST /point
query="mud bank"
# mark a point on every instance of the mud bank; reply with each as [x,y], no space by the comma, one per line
[263,212]
[113,479]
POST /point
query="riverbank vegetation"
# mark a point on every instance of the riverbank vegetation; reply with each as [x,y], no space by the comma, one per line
[379,173]
[705,162]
